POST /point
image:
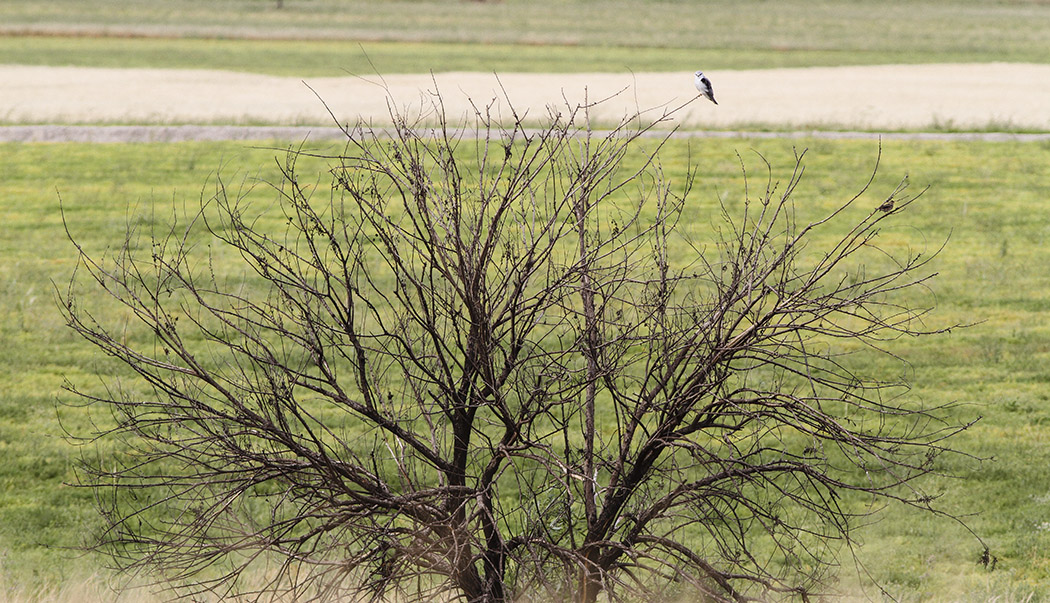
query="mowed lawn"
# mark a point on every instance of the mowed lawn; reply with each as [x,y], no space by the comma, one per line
[312,38]
[986,199]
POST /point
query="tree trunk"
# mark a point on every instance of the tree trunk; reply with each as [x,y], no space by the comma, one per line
[590,577]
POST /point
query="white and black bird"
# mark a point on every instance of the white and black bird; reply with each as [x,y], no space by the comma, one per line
[704,86]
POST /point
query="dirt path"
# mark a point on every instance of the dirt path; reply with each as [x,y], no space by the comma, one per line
[886,97]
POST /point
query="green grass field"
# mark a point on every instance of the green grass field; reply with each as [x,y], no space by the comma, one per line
[992,273]
[987,199]
[311,38]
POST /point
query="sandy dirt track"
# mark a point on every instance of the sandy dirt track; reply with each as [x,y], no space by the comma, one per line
[884,97]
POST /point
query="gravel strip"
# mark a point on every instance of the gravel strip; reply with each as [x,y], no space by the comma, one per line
[120,134]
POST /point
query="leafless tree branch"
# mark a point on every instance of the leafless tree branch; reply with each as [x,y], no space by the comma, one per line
[494,365]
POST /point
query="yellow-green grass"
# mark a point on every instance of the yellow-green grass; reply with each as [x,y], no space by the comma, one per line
[988,198]
[321,37]
[334,58]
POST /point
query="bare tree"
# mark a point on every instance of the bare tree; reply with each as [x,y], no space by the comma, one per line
[490,363]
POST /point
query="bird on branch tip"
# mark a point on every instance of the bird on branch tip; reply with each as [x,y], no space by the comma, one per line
[704,86]
[887,205]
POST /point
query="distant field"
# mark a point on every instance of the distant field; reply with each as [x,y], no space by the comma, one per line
[982,198]
[323,58]
[321,37]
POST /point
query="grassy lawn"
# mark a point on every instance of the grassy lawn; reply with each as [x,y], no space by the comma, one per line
[992,273]
[993,270]
[334,58]
[326,37]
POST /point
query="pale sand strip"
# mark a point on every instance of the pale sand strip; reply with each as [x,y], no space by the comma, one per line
[884,97]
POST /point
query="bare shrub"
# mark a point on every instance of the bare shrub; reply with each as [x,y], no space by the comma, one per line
[487,363]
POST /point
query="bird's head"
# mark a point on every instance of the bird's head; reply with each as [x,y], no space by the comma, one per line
[699,74]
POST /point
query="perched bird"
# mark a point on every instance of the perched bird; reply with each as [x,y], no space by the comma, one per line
[704,86]
[887,205]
